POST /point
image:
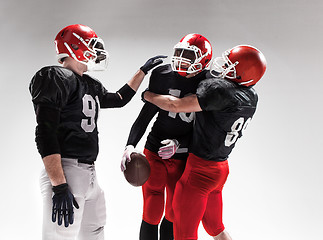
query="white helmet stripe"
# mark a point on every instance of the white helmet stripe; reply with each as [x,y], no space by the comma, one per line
[80,38]
[70,50]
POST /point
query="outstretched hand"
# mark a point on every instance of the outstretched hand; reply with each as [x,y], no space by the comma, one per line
[152,62]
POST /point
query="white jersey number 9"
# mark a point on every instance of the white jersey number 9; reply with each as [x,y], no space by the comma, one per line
[89,110]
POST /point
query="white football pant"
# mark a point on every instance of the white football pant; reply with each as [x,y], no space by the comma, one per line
[90,218]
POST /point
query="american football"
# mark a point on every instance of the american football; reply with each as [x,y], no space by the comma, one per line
[137,170]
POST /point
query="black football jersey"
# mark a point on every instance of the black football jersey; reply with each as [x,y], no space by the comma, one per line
[227,110]
[168,125]
[78,100]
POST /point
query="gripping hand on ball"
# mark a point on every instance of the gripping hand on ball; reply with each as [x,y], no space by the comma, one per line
[170,148]
[63,201]
[152,62]
[126,156]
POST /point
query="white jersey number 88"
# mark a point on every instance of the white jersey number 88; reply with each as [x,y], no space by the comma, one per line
[238,126]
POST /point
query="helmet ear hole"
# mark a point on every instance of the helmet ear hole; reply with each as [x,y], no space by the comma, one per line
[74,46]
[62,34]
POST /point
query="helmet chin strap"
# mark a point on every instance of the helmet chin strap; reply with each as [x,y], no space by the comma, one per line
[92,66]
[188,75]
[183,74]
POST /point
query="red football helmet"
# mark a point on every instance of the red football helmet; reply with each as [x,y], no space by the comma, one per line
[82,44]
[192,54]
[242,64]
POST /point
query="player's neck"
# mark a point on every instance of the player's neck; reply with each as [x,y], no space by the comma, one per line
[75,66]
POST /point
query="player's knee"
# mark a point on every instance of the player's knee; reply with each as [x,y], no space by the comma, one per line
[154,187]
[224,235]
[95,233]
[214,230]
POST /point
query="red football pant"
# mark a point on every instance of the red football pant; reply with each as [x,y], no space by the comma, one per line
[198,196]
[163,174]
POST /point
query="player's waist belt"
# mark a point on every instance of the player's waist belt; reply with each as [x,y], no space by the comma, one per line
[86,162]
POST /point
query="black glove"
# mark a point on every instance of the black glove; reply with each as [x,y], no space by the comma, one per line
[63,201]
[152,62]
[142,95]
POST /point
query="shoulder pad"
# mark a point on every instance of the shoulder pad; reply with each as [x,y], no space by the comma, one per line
[51,85]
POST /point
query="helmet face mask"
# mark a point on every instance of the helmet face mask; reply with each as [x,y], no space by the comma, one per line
[191,55]
[224,66]
[97,45]
[242,64]
[83,45]
[184,61]
[97,57]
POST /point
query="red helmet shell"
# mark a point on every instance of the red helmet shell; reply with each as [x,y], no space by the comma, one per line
[73,41]
[251,64]
[203,54]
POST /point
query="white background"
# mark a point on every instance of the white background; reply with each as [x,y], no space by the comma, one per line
[274,190]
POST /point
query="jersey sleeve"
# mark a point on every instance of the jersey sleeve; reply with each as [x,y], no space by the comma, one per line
[212,96]
[146,114]
[49,90]
[46,130]
[140,125]
[117,99]
[156,85]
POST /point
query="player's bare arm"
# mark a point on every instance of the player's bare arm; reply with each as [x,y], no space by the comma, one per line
[173,104]
[54,169]
[136,80]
